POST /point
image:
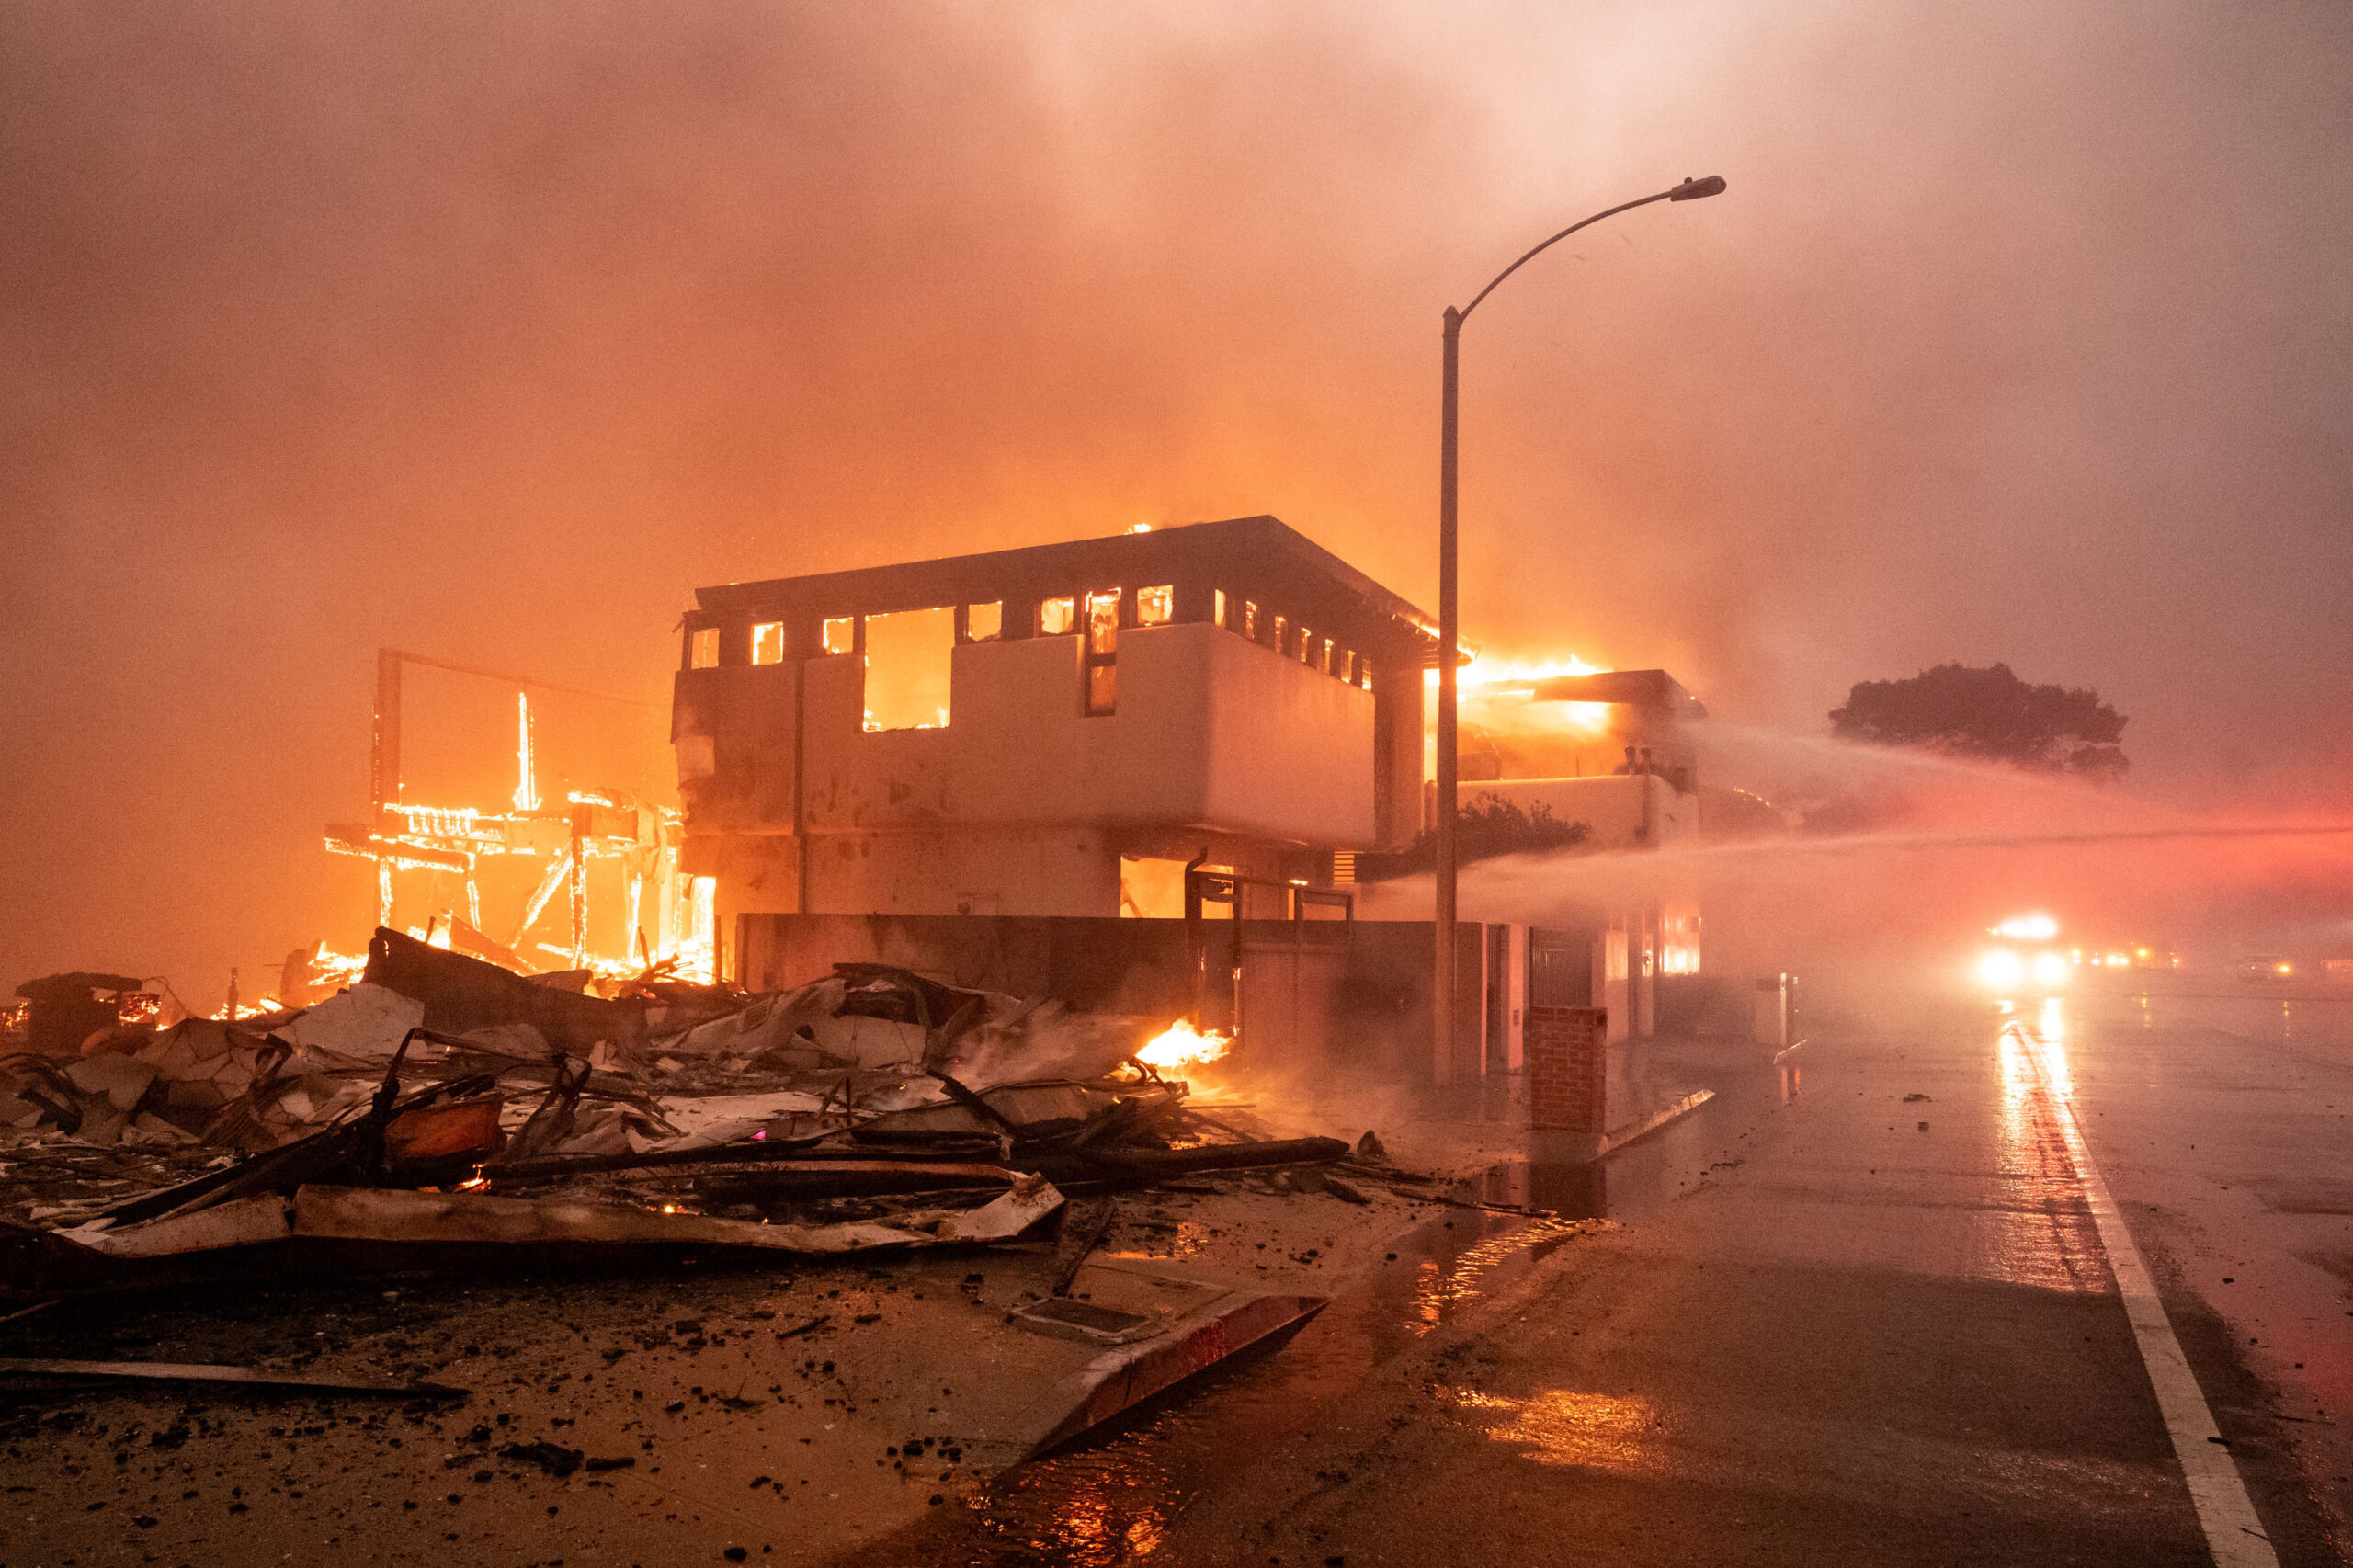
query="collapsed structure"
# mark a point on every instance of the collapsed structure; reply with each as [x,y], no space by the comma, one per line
[652,916]
[445,1114]
[697,1104]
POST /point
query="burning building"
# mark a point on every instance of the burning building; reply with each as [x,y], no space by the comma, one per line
[1043,769]
[1566,756]
[1612,749]
[1053,731]
[595,868]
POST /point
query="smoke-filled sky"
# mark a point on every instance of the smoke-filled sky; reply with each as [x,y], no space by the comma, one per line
[491,331]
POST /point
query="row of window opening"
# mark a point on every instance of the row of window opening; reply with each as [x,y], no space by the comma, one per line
[1299,642]
[1061,617]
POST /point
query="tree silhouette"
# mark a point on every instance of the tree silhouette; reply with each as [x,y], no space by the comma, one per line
[1988,713]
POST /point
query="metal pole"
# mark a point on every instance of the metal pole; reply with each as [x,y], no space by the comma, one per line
[1450,639]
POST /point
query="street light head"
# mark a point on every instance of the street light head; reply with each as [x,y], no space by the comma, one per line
[1692,189]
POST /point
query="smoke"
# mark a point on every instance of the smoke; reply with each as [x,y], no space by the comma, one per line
[492,333]
[1953,848]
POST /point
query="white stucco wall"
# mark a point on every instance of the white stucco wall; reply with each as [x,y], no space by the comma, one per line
[965,871]
[1211,731]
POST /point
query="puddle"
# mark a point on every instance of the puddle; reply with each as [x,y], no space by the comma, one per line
[1111,1498]
[1572,1192]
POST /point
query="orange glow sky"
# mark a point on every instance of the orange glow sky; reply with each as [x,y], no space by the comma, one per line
[2021,334]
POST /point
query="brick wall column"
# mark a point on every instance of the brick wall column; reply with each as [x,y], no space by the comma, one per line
[1568,1069]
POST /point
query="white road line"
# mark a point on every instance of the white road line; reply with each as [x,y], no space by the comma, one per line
[2233,1532]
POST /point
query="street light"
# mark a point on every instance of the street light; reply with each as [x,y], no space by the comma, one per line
[1449,626]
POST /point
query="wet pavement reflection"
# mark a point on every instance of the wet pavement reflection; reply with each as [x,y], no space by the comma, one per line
[1113,1497]
[1994,1177]
[1574,1192]
[1557,1427]
[2044,1233]
[1110,1499]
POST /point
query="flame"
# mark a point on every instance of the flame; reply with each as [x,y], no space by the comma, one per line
[527,787]
[1484,679]
[1484,671]
[461,835]
[1181,1045]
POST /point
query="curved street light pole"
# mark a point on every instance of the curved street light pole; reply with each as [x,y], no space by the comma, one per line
[1449,626]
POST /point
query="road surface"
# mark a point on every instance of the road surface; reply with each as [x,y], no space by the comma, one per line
[1860,1309]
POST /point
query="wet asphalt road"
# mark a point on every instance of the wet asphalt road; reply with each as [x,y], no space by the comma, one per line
[1856,1311]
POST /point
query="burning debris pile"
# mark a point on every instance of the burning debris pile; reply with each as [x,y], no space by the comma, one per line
[443,1108]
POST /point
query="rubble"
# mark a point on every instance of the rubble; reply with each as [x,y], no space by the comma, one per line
[78,1372]
[441,1115]
[336,1229]
[441,1104]
[63,1010]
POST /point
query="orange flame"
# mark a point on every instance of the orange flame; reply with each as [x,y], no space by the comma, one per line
[1181,1045]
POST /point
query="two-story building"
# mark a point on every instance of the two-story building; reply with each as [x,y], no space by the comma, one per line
[997,768]
[1052,730]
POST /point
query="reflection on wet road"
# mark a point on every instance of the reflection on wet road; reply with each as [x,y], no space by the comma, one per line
[1111,1499]
[1443,1284]
[1092,1508]
[1574,1192]
[1893,1323]
[2044,1230]
[1556,1427]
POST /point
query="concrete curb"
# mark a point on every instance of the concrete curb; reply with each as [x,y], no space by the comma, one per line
[1613,1142]
[1560,1146]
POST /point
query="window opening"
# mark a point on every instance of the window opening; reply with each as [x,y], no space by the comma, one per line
[1102,649]
[1156,607]
[1103,621]
[1349,665]
[1152,887]
[983,623]
[1056,617]
[702,649]
[1282,634]
[909,656]
[1249,620]
[1323,657]
[1219,605]
[1306,646]
[841,634]
[767,642]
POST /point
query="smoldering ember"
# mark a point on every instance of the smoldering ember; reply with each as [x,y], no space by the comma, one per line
[880,785]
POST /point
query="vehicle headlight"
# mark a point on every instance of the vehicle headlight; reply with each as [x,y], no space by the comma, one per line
[2001,968]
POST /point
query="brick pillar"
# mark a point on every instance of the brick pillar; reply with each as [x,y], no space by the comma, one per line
[1567,1067]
